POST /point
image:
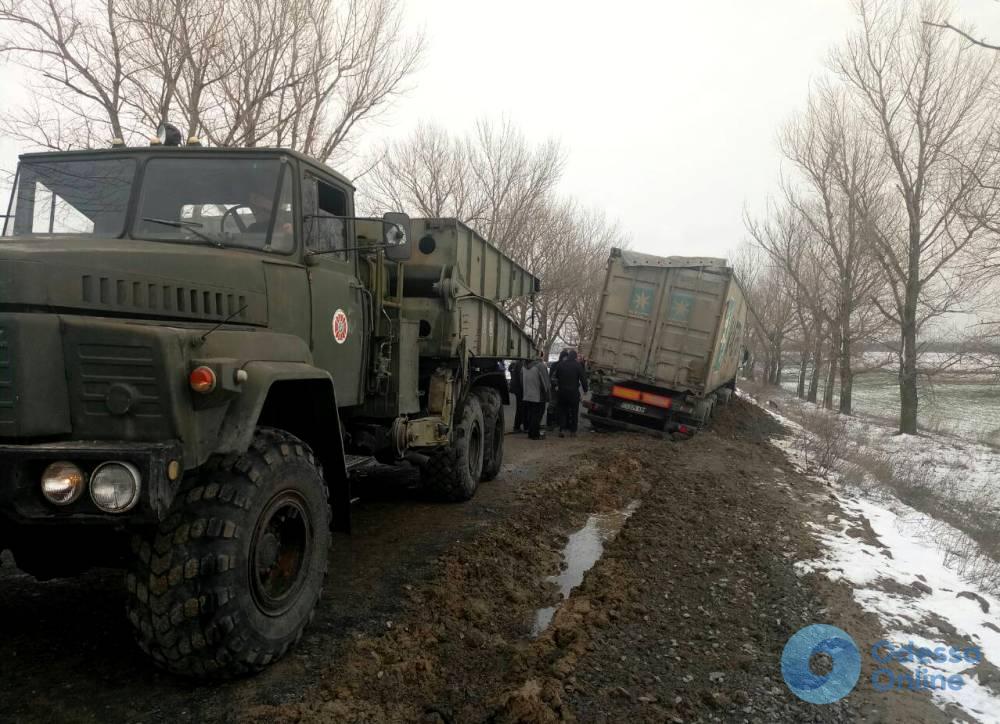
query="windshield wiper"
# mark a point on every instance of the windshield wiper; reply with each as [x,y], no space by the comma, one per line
[191,226]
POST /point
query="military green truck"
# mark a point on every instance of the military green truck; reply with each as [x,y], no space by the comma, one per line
[667,344]
[198,346]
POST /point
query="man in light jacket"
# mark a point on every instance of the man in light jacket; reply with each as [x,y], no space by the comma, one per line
[535,388]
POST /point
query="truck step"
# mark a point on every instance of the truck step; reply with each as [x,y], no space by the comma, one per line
[356,463]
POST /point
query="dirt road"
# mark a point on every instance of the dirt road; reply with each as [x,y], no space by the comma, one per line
[429,609]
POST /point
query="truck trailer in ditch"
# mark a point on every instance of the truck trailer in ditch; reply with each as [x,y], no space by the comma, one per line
[667,344]
[197,347]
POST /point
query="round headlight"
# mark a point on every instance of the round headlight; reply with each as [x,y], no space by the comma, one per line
[114,487]
[62,483]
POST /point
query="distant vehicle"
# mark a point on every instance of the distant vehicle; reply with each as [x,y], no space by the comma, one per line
[197,348]
[668,342]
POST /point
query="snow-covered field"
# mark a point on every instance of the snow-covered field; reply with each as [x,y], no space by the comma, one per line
[968,407]
[906,568]
[954,466]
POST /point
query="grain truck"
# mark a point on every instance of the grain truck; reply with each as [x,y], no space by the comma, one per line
[667,342]
[198,346]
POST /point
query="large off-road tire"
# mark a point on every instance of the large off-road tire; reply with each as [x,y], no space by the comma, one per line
[229,580]
[452,473]
[493,431]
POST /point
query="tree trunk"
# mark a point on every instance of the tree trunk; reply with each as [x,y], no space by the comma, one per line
[774,363]
[908,330]
[831,375]
[831,380]
[817,370]
[800,389]
[846,375]
[908,382]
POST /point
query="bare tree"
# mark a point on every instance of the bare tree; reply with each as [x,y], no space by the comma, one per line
[505,188]
[596,236]
[966,32]
[238,72]
[772,319]
[429,173]
[841,179]
[929,99]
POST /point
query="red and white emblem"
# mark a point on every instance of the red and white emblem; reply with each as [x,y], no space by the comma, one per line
[340,328]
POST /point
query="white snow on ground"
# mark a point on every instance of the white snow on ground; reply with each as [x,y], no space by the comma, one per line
[914,556]
[968,468]
[866,567]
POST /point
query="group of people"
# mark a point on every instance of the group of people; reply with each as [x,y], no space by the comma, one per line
[535,383]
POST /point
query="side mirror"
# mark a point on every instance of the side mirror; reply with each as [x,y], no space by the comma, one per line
[396,233]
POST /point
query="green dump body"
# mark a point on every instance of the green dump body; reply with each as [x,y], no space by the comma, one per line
[454,285]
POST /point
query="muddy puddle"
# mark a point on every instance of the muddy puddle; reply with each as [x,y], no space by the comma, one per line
[583,549]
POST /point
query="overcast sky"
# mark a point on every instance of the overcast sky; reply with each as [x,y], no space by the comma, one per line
[668,111]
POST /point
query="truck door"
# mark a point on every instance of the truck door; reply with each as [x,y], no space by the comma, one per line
[338,324]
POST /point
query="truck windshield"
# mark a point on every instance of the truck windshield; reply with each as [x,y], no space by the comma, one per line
[225,201]
[77,198]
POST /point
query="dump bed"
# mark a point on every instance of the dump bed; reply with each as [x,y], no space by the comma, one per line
[454,285]
[451,247]
[673,322]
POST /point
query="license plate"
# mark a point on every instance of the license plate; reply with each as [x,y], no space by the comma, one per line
[632,407]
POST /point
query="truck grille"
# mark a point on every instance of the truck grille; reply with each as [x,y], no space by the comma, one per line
[130,296]
[102,365]
[6,382]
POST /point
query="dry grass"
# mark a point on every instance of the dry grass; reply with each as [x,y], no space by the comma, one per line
[823,440]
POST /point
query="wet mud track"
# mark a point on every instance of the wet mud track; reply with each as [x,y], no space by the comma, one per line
[66,652]
[429,609]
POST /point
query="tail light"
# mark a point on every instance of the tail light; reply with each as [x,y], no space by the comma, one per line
[626,393]
[656,400]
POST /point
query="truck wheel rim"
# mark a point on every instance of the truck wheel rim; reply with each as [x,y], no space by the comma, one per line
[279,555]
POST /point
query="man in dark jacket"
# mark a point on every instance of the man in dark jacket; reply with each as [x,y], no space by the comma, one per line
[552,408]
[570,378]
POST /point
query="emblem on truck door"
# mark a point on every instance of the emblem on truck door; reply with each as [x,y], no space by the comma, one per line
[340,326]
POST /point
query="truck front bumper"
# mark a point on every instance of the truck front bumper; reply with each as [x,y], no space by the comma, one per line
[21,468]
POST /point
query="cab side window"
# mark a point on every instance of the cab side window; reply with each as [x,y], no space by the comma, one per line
[325,207]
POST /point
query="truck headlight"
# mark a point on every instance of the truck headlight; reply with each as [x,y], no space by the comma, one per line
[62,483]
[114,486]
